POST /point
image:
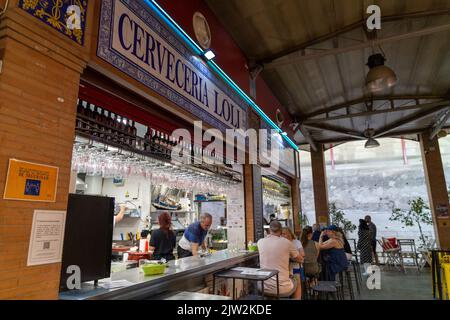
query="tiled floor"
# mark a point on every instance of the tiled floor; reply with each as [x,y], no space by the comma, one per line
[396,285]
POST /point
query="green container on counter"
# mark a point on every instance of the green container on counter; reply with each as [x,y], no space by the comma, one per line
[253,248]
[152,269]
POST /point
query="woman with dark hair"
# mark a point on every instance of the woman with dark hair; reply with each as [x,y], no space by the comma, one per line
[311,251]
[364,245]
[163,240]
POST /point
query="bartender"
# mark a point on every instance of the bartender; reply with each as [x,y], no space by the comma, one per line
[194,237]
[120,214]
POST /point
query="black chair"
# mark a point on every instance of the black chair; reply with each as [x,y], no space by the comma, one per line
[324,289]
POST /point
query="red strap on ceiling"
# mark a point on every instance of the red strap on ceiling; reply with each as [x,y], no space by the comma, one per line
[332,156]
[405,156]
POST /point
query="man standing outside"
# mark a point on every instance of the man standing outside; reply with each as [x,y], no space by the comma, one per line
[316,232]
[373,236]
[194,237]
[274,254]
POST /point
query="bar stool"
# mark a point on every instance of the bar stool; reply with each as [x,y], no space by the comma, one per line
[357,275]
[325,289]
[345,281]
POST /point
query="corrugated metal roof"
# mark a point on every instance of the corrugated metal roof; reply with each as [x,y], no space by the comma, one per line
[314,78]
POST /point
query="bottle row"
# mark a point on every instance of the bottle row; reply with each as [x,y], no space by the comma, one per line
[107,125]
[98,122]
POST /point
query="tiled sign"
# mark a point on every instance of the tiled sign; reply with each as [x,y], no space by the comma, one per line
[66,16]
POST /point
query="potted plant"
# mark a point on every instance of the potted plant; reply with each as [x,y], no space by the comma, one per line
[418,215]
[337,217]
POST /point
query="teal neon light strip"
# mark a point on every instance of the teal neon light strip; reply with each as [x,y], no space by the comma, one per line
[196,48]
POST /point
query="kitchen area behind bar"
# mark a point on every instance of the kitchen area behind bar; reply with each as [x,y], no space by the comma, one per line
[127,163]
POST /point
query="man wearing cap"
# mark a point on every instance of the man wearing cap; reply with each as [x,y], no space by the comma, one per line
[274,253]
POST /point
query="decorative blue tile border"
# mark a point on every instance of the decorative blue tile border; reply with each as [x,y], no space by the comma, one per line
[106,52]
[66,16]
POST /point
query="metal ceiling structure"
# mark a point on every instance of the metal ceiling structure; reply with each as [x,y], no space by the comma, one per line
[313,55]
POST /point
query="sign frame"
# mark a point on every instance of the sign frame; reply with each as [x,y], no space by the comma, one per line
[24,197]
[31,246]
[123,61]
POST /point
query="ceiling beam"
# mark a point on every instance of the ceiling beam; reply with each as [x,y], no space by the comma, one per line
[307,136]
[436,128]
[337,130]
[382,111]
[390,135]
[414,117]
[294,58]
[359,24]
[370,99]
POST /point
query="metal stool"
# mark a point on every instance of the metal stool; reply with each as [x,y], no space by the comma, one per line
[345,280]
[357,275]
[325,289]
[306,288]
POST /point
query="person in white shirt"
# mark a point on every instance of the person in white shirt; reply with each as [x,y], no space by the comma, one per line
[274,254]
[294,265]
[120,215]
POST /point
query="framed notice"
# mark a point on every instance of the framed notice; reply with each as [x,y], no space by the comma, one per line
[47,235]
[29,181]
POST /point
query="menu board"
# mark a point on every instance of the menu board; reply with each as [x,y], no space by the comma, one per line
[236,217]
[258,218]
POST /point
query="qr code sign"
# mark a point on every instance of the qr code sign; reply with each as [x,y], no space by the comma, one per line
[46,245]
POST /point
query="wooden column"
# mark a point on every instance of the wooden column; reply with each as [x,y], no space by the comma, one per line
[320,185]
[248,190]
[253,203]
[437,188]
[296,204]
[39,84]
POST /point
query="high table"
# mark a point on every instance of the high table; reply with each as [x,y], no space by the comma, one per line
[235,274]
[184,295]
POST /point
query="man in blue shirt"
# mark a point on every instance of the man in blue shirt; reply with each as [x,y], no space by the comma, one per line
[316,232]
[194,237]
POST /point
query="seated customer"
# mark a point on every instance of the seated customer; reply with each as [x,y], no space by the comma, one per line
[274,253]
[347,248]
[311,251]
[334,260]
[163,240]
[295,267]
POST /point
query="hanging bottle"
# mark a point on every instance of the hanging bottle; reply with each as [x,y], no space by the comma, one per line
[132,132]
[80,111]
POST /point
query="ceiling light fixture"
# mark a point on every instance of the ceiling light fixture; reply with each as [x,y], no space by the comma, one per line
[379,77]
[371,142]
[209,55]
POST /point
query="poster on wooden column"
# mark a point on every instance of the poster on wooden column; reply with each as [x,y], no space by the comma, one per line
[28,181]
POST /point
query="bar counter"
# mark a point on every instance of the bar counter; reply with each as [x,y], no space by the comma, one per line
[184,274]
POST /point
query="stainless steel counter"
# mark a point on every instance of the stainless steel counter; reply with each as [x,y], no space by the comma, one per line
[179,274]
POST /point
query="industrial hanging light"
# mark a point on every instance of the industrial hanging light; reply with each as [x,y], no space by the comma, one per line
[379,76]
[371,142]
